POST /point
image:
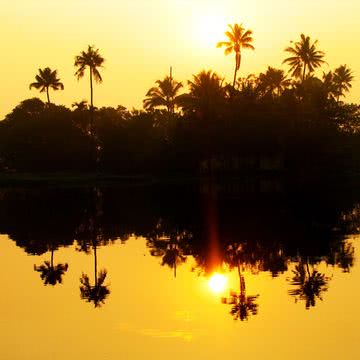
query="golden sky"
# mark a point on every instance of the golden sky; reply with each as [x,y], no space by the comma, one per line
[140,39]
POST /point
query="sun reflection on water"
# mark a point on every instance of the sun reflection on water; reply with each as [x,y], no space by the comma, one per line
[217,283]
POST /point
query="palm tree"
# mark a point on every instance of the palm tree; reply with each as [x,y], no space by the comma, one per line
[46,79]
[304,57]
[207,93]
[165,94]
[93,60]
[80,106]
[49,273]
[238,38]
[273,81]
[342,79]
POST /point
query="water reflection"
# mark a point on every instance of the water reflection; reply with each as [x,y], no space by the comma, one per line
[308,284]
[215,227]
[51,274]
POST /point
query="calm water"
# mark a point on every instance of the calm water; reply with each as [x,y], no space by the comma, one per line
[257,270]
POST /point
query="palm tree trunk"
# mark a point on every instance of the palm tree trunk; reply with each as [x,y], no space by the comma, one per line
[47,94]
[91,103]
[304,72]
[235,72]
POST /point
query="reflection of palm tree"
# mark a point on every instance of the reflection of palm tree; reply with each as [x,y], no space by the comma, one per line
[172,245]
[242,305]
[165,94]
[304,57]
[98,292]
[46,79]
[49,273]
[238,38]
[309,284]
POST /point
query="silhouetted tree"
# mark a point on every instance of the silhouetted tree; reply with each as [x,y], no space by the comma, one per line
[206,94]
[165,94]
[272,82]
[238,38]
[93,60]
[45,80]
[342,78]
[304,57]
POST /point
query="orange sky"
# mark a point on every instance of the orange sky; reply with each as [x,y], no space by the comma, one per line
[140,39]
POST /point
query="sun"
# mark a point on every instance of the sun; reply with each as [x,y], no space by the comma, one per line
[209,29]
[217,283]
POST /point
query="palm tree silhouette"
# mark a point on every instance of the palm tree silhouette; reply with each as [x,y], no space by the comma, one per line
[309,284]
[342,79]
[304,57]
[80,106]
[46,79]
[93,60]
[49,273]
[165,94]
[238,38]
[207,93]
[273,82]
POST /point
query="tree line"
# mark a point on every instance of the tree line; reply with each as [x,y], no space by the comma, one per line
[277,121]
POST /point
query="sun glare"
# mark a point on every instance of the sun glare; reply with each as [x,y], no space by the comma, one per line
[217,283]
[209,29]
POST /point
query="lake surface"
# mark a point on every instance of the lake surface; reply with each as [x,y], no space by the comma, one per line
[255,269]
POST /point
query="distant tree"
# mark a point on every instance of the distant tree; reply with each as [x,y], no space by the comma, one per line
[49,273]
[304,57]
[273,81]
[238,38]
[165,94]
[206,93]
[81,105]
[342,80]
[93,60]
[45,80]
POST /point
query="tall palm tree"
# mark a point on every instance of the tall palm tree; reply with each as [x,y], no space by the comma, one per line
[238,38]
[304,57]
[45,80]
[342,79]
[49,273]
[165,94]
[93,60]
[273,81]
